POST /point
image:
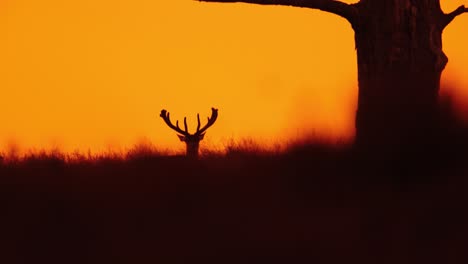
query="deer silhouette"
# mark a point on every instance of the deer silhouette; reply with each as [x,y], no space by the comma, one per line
[192,141]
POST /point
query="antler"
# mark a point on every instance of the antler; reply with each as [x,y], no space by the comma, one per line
[214,115]
[211,120]
[165,116]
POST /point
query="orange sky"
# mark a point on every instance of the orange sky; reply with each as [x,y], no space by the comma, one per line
[94,74]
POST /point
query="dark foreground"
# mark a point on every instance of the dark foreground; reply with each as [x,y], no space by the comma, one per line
[312,204]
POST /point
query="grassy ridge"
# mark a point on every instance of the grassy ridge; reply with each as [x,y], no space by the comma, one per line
[312,203]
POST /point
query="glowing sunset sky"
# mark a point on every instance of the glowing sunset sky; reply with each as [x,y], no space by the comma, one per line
[81,74]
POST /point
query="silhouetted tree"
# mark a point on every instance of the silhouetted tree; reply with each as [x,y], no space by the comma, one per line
[400,61]
[192,141]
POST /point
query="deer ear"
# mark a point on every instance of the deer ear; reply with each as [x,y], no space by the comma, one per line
[182,138]
[201,136]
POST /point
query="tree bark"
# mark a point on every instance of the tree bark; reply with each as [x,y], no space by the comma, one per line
[400,62]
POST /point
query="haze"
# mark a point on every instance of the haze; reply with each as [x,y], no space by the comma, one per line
[94,74]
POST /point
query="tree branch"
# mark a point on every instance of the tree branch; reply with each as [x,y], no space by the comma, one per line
[450,16]
[335,7]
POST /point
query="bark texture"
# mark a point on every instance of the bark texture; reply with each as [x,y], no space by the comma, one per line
[400,61]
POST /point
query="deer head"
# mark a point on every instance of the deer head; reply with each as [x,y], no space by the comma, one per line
[192,141]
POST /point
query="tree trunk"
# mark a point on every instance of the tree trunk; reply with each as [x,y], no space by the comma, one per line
[400,61]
